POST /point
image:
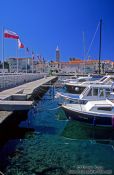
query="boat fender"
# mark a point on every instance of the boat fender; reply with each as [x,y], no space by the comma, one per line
[76,88]
[69,118]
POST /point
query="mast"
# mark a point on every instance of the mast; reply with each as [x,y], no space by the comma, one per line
[3,50]
[100,46]
[17,55]
[84,51]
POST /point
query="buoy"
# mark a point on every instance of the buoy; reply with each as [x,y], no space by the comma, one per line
[69,118]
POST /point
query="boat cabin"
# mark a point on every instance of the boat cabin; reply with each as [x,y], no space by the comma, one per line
[91,93]
[96,92]
[78,87]
[106,106]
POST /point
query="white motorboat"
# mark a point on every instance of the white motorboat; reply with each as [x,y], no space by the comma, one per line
[80,86]
[77,79]
[97,113]
[90,93]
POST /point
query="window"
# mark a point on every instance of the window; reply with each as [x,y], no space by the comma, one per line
[82,80]
[95,92]
[90,93]
[105,108]
[107,92]
[101,92]
[112,79]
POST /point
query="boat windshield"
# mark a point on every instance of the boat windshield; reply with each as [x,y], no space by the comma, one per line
[102,79]
[105,108]
[82,80]
[95,91]
[74,78]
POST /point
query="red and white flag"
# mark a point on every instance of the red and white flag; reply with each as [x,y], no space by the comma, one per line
[10,34]
[20,44]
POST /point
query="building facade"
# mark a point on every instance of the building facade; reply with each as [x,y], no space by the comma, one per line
[73,66]
[78,66]
[19,64]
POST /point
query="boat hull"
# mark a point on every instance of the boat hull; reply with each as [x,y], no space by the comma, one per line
[88,118]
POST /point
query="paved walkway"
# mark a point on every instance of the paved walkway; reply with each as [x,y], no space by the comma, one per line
[8,102]
[25,89]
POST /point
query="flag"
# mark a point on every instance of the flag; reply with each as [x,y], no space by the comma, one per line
[10,34]
[20,44]
[39,58]
[32,55]
[27,50]
[43,60]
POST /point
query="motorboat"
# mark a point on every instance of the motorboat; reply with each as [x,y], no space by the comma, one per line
[80,86]
[96,113]
[67,80]
[76,79]
[90,93]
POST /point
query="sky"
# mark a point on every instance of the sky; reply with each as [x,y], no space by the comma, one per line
[44,24]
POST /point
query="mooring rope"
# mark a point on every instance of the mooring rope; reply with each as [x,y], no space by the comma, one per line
[44,108]
[54,108]
[1,173]
[46,105]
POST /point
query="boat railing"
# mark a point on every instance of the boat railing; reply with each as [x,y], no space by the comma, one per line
[84,92]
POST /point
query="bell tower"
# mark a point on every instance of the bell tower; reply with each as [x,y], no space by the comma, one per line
[57,54]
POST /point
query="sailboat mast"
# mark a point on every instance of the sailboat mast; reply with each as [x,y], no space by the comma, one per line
[84,51]
[100,46]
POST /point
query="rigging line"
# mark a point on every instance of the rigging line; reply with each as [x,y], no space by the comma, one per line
[41,109]
[46,106]
[54,108]
[92,40]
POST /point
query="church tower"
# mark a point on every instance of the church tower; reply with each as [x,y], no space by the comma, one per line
[57,54]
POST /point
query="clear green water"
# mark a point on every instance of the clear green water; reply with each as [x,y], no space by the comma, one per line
[56,146]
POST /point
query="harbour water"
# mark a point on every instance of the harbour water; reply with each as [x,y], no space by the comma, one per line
[46,143]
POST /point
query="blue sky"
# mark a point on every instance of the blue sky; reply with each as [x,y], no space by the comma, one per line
[44,24]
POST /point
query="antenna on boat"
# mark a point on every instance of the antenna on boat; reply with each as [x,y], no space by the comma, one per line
[100,46]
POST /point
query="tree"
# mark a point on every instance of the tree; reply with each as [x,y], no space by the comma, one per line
[6,65]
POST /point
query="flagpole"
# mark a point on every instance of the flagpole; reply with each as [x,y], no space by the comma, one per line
[17,59]
[3,50]
[3,57]
[32,62]
[26,59]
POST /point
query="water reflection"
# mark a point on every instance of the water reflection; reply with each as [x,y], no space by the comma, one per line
[77,130]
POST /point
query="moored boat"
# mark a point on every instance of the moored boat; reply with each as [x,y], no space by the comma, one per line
[96,113]
[90,93]
[80,86]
